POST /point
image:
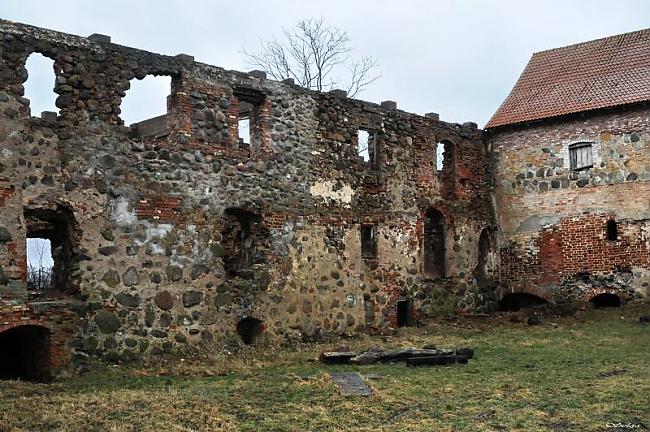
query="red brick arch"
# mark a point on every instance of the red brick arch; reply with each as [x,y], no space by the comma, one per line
[529,289]
[59,334]
[586,297]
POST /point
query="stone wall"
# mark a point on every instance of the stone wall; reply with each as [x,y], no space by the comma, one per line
[172,239]
[553,219]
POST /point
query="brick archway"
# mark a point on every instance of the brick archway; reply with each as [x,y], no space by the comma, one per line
[26,353]
[590,295]
[532,290]
[57,323]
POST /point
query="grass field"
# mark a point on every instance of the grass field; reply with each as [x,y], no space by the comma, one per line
[581,373]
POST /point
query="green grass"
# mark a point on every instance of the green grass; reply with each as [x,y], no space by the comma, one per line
[567,374]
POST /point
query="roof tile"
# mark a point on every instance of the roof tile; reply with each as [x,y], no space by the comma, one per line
[597,74]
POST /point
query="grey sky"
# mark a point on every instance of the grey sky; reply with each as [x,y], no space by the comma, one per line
[457,58]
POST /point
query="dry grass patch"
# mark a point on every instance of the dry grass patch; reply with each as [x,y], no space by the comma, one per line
[567,374]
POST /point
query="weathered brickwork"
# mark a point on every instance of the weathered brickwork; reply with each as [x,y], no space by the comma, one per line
[553,218]
[174,232]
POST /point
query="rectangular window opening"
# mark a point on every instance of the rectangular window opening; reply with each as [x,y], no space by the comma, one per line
[40,264]
[612,230]
[244,130]
[367,148]
[440,156]
[581,156]
[249,117]
[368,242]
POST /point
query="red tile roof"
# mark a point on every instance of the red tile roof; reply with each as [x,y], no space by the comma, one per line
[596,74]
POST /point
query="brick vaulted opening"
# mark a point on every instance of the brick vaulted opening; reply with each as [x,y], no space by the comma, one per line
[516,301]
[434,244]
[24,353]
[605,300]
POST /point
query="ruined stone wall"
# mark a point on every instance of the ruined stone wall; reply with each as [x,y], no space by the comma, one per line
[553,219]
[173,239]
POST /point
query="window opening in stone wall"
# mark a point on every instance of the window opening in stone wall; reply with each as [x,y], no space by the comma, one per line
[440,156]
[612,230]
[362,145]
[434,244]
[514,302]
[249,124]
[367,148]
[605,300]
[25,353]
[404,313]
[249,329]
[241,237]
[51,257]
[368,241]
[39,264]
[244,129]
[444,156]
[484,249]
[39,87]
[580,156]
[369,309]
[144,107]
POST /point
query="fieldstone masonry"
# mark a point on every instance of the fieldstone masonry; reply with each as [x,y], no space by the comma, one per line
[174,234]
[553,220]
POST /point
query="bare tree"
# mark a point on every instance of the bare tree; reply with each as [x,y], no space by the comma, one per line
[312,54]
[39,273]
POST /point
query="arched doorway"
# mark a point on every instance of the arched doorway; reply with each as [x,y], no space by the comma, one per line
[25,353]
[605,300]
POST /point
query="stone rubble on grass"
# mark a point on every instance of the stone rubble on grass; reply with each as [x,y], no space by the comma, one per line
[411,356]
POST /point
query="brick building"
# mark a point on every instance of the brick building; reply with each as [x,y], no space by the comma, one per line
[333,214]
[571,155]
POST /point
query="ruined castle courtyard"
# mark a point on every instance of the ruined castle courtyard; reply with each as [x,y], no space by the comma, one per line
[203,259]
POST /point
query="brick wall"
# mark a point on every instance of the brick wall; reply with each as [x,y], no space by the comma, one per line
[553,219]
[58,322]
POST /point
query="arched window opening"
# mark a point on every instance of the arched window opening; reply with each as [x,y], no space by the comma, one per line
[249,329]
[440,156]
[444,156]
[612,230]
[144,107]
[484,250]
[25,354]
[434,244]
[516,301]
[605,300]
[39,87]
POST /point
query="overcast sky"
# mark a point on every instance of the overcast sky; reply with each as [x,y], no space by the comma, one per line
[457,58]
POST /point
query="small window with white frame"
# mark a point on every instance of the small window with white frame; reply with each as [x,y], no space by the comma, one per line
[581,156]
